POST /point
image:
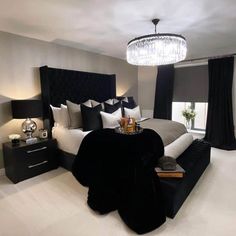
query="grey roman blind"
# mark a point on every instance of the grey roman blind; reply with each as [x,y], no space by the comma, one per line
[191,84]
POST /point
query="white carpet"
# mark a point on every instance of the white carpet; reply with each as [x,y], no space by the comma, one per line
[55,204]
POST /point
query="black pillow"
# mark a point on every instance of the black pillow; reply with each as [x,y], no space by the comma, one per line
[130,105]
[91,117]
[111,108]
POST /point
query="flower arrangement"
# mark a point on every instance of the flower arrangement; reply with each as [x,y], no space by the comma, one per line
[188,114]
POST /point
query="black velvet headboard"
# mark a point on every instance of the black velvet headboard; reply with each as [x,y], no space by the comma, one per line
[59,85]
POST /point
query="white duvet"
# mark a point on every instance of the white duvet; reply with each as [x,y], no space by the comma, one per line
[69,140]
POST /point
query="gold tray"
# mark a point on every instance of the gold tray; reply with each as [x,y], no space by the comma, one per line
[119,130]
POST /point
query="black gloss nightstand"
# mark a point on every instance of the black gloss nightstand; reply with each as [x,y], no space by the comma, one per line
[24,161]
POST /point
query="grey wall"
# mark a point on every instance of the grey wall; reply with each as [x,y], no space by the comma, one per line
[20,58]
[146,86]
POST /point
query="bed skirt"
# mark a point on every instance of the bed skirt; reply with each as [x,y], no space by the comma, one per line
[66,160]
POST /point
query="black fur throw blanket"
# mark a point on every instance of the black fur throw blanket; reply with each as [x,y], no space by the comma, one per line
[119,172]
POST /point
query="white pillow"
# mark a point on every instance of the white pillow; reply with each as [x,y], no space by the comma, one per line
[115,101]
[109,101]
[56,112]
[88,103]
[133,113]
[65,119]
[111,120]
[176,148]
[117,113]
[112,101]
[125,99]
[75,116]
[95,103]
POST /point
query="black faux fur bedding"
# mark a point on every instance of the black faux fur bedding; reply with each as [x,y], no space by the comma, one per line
[119,171]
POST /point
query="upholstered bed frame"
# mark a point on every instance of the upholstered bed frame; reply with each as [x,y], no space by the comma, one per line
[59,85]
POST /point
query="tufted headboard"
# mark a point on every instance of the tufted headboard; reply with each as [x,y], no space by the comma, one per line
[59,85]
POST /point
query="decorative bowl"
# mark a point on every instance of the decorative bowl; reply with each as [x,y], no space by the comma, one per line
[15,138]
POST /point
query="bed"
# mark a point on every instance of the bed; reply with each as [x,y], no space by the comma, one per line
[59,85]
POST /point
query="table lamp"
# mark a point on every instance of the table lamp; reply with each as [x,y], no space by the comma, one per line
[28,109]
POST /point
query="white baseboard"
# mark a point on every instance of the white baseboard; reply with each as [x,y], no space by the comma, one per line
[2,172]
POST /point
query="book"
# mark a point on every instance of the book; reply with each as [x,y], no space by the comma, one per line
[177,173]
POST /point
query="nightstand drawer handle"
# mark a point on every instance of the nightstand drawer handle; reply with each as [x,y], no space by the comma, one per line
[38,164]
[37,150]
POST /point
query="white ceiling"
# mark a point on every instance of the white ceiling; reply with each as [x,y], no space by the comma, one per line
[106,26]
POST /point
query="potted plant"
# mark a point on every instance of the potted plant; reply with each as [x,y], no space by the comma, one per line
[189,114]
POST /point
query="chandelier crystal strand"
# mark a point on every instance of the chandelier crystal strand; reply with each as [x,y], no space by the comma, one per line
[156,49]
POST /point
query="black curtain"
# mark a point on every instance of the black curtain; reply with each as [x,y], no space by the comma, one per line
[164,92]
[220,126]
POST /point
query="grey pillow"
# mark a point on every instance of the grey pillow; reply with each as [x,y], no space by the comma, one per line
[74,114]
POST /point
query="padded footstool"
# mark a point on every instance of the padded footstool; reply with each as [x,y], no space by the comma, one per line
[194,160]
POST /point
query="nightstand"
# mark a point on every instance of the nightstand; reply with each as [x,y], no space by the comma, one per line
[24,161]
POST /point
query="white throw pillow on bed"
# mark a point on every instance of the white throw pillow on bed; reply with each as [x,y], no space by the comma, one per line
[88,103]
[176,148]
[74,115]
[60,116]
[111,120]
[56,112]
[95,103]
[65,119]
[112,101]
[133,113]
[109,101]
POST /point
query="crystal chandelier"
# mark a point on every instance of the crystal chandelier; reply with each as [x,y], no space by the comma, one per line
[156,49]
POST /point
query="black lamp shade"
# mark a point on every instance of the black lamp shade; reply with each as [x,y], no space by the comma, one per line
[22,109]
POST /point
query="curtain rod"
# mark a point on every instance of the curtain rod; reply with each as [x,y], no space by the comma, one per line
[207,58]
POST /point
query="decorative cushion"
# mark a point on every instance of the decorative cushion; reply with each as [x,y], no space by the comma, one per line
[123,99]
[112,108]
[129,105]
[115,101]
[109,101]
[65,119]
[176,148]
[112,101]
[95,103]
[133,113]
[74,111]
[88,103]
[111,120]
[56,112]
[91,117]
[167,163]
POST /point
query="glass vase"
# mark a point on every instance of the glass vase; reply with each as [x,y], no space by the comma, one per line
[188,124]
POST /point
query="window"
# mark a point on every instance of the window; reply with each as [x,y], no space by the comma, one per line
[199,122]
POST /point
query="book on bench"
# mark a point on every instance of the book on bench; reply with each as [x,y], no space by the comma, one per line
[177,173]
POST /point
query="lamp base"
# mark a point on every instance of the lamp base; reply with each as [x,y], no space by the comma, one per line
[28,128]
